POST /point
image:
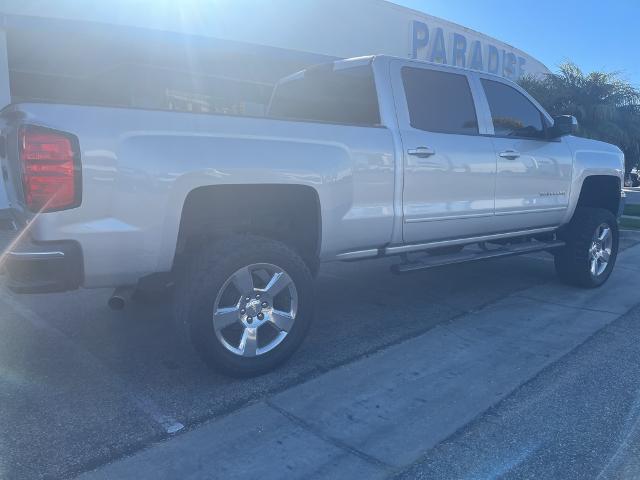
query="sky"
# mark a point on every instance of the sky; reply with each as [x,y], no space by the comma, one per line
[596,35]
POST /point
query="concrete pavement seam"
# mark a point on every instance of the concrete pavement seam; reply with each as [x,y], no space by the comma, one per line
[558,304]
[330,440]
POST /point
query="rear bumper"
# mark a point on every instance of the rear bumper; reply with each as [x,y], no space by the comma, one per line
[43,267]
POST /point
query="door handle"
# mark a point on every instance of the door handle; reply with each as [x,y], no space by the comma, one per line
[509,154]
[421,152]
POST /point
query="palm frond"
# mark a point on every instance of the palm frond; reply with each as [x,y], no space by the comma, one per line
[607,107]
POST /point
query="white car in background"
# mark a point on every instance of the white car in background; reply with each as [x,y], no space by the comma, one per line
[632,179]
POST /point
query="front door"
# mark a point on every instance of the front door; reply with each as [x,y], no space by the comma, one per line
[449,168]
[534,173]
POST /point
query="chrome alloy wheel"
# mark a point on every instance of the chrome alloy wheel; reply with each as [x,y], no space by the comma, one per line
[600,251]
[255,310]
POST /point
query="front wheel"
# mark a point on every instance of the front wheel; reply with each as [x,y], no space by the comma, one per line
[591,250]
[248,303]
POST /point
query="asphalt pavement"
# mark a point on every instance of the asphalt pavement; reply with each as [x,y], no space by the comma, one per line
[84,389]
[633,195]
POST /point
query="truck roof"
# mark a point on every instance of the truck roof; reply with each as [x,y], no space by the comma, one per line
[369,59]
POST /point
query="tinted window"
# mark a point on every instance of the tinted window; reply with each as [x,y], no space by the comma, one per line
[513,114]
[343,96]
[439,101]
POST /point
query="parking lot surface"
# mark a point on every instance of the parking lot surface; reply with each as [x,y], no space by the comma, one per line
[82,387]
[633,195]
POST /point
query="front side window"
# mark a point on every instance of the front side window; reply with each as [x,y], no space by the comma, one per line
[512,113]
[346,96]
[439,101]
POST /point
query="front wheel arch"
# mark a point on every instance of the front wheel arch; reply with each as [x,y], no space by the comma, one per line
[600,191]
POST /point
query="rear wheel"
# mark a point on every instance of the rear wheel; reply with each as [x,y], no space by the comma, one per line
[247,303]
[592,240]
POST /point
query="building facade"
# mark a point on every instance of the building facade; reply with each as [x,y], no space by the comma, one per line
[219,56]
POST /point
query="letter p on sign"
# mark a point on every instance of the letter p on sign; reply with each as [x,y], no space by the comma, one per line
[419,39]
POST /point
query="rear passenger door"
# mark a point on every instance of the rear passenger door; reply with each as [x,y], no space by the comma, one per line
[534,173]
[449,166]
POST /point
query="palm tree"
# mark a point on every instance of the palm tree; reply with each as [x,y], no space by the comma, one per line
[606,106]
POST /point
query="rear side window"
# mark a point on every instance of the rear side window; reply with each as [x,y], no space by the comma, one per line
[512,113]
[439,101]
[346,96]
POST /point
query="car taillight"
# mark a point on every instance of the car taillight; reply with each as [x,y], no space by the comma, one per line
[50,169]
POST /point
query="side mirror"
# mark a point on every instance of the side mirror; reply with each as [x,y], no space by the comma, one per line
[564,125]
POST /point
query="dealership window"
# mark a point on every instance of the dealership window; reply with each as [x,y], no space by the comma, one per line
[322,94]
[439,101]
[512,113]
[126,67]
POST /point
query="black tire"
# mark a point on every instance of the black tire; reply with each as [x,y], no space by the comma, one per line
[207,274]
[573,262]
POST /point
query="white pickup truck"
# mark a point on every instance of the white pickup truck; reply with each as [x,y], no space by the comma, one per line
[356,159]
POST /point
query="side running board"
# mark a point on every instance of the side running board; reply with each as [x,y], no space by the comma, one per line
[433,261]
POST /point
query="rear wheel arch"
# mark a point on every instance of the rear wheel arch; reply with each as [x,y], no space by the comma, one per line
[288,213]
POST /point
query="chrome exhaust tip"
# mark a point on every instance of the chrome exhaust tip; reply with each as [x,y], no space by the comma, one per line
[118,299]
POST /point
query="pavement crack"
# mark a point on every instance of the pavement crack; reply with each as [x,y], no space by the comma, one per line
[558,304]
[450,330]
[326,438]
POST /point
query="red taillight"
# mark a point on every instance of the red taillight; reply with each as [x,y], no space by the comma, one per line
[50,174]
